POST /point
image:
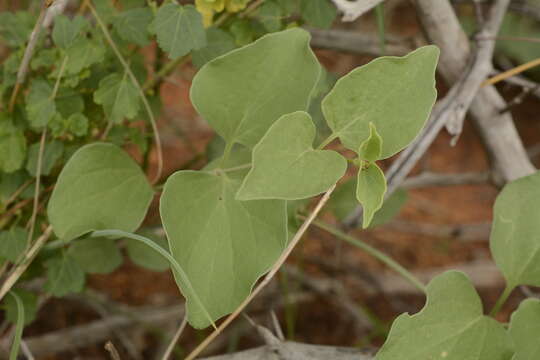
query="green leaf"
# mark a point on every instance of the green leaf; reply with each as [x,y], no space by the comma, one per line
[15,28]
[132,25]
[318,13]
[77,124]
[52,153]
[179,29]
[371,148]
[13,243]
[370,190]
[451,326]
[242,93]
[64,276]
[40,106]
[139,254]
[243,31]
[396,94]
[100,187]
[10,183]
[524,330]
[119,97]
[270,16]
[68,102]
[96,255]
[12,146]
[219,43]
[29,301]
[223,245]
[514,236]
[285,165]
[390,208]
[82,54]
[65,31]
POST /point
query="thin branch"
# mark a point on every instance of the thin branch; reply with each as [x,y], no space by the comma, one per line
[512,72]
[427,179]
[175,339]
[109,346]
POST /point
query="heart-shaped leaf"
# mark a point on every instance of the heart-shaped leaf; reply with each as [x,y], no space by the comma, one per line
[525,329]
[242,93]
[224,245]
[451,327]
[396,94]
[285,165]
[515,235]
[100,188]
[370,190]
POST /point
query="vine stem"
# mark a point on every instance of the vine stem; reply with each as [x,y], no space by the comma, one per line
[379,255]
[512,72]
[266,280]
[19,327]
[135,82]
[501,300]
[175,339]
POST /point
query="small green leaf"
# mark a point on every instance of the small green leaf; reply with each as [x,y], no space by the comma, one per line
[96,255]
[370,190]
[243,31]
[100,187]
[219,43]
[13,243]
[514,236]
[77,124]
[29,301]
[12,146]
[119,97]
[371,148]
[40,106]
[139,254]
[285,165]
[318,13]
[242,93]
[15,28]
[132,25]
[179,29]
[396,94]
[451,326]
[270,16]
[223,245]
[10,183]
[524,330]
[64,276]
[52,153]
[82,54]
[66,31]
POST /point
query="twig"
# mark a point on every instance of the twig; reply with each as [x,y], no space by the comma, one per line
[275,268]
[176,337]
[427,179]
[109,346]
[135,82]
[512,72]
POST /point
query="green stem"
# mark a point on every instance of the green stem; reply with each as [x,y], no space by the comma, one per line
[327,141]
[19,327]
[174,264]
[379,11]
[387,260]
[501,300]
[226,153]
[164,71]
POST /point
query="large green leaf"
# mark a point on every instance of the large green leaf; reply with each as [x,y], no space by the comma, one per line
[132,25]
[223,245]
[242,93]
[450,327]
[515,235]
[179,29]
[525,330]
[396,94]
[100,187]
[96,255]
[119,97]
[64,276]
[285,165]
[370,190]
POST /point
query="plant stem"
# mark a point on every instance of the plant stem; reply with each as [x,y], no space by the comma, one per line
[164,71]
[379,255]
[327,141]
[379,11]
[138,86]
[501,300]
[175,338]
[512,72]
[19,327]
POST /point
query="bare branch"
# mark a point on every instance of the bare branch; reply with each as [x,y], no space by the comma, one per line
[352,10]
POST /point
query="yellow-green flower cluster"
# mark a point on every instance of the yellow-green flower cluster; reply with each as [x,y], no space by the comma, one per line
[210,7]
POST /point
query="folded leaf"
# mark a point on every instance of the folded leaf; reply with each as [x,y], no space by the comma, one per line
[370,190]
[371,148]
[285,165]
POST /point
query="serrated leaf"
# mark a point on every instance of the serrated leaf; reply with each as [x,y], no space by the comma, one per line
[96,255]
[223,245]
[179,29]
[139,254]
[69,102]
[111,192]
[30,305]
[285,165]
[53,151]
[270,16]
[64,276]
[12,146]
[77,124]
[13,243]
[396,94]
[82,54]
[451,326]
[15,28]
[40,106]
[318,13]
[370,190]
[515,233]
[524,330]
[132,25]
[118,96]
[371,148]
[219,43]
[66,31]
[242,93]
